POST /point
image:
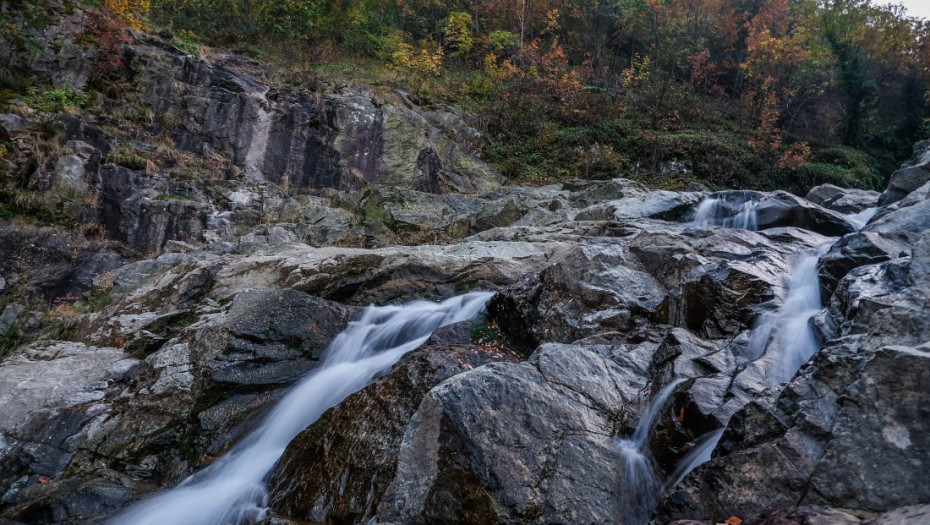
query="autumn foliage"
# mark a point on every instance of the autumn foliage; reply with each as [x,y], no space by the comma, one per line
[762,93]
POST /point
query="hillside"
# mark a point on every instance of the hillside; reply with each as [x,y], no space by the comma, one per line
[770,95]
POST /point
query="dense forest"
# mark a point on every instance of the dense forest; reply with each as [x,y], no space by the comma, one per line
[748,93]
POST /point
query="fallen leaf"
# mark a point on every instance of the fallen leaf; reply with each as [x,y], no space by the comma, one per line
[732,520]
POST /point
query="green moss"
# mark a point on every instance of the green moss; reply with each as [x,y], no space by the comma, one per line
[59,100]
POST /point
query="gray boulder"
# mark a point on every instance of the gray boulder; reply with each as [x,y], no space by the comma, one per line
[843,200]
[913,174]
[339,468]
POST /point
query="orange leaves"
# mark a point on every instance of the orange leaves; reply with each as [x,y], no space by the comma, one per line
[732,520]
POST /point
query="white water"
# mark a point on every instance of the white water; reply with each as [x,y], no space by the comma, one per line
[700,454]
[232,490]
[859,220]
[641,486]
[718,211]
[784,339]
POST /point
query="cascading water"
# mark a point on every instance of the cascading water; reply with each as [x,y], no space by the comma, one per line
[859,220]
[784,338]
[720,211]
[232,490]
[641,486]
[700,454]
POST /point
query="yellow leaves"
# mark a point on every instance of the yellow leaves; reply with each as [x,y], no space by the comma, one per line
[130,12]
[417,64]
[457,33]
[552,21]
[638,72]
[499,72]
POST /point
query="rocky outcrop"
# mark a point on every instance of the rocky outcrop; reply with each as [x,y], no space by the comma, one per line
[509,441]
[843,200]
[841,433]
[913,174]
[364,450]
[247,223]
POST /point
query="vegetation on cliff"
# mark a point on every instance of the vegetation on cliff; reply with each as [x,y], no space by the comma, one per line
[771,94]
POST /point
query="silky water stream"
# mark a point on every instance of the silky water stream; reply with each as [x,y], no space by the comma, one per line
[232,490]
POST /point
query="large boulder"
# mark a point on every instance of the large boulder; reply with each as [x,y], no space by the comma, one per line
[843,200]
[519,442]
[913,174]
[852,251]
[338,469]
[591,289]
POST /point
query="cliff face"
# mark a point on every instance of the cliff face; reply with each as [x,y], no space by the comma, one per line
[222,229]
[168,146]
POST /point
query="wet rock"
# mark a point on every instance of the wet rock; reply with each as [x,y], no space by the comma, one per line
[590,289]
[520,442]
[664,205]
[719,300]
[851,441]
[906,218]
[913,174]
[275,337]
[780,209]
[339,468]
[852,251]
[75,499]
[843,200]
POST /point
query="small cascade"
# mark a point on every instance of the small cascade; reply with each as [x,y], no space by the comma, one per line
[700,454]
[232,490]
[641,486]
[784,338]
[727,213]
[859,220]
[782,341]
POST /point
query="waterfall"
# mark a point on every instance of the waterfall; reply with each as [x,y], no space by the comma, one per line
[232,489]
[784,339]
[641,486]
[859,220]
[728,213]
[703,447]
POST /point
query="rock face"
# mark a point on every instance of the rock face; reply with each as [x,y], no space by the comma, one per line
[843,200]
[913,174]
[842,433]
[364,449]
